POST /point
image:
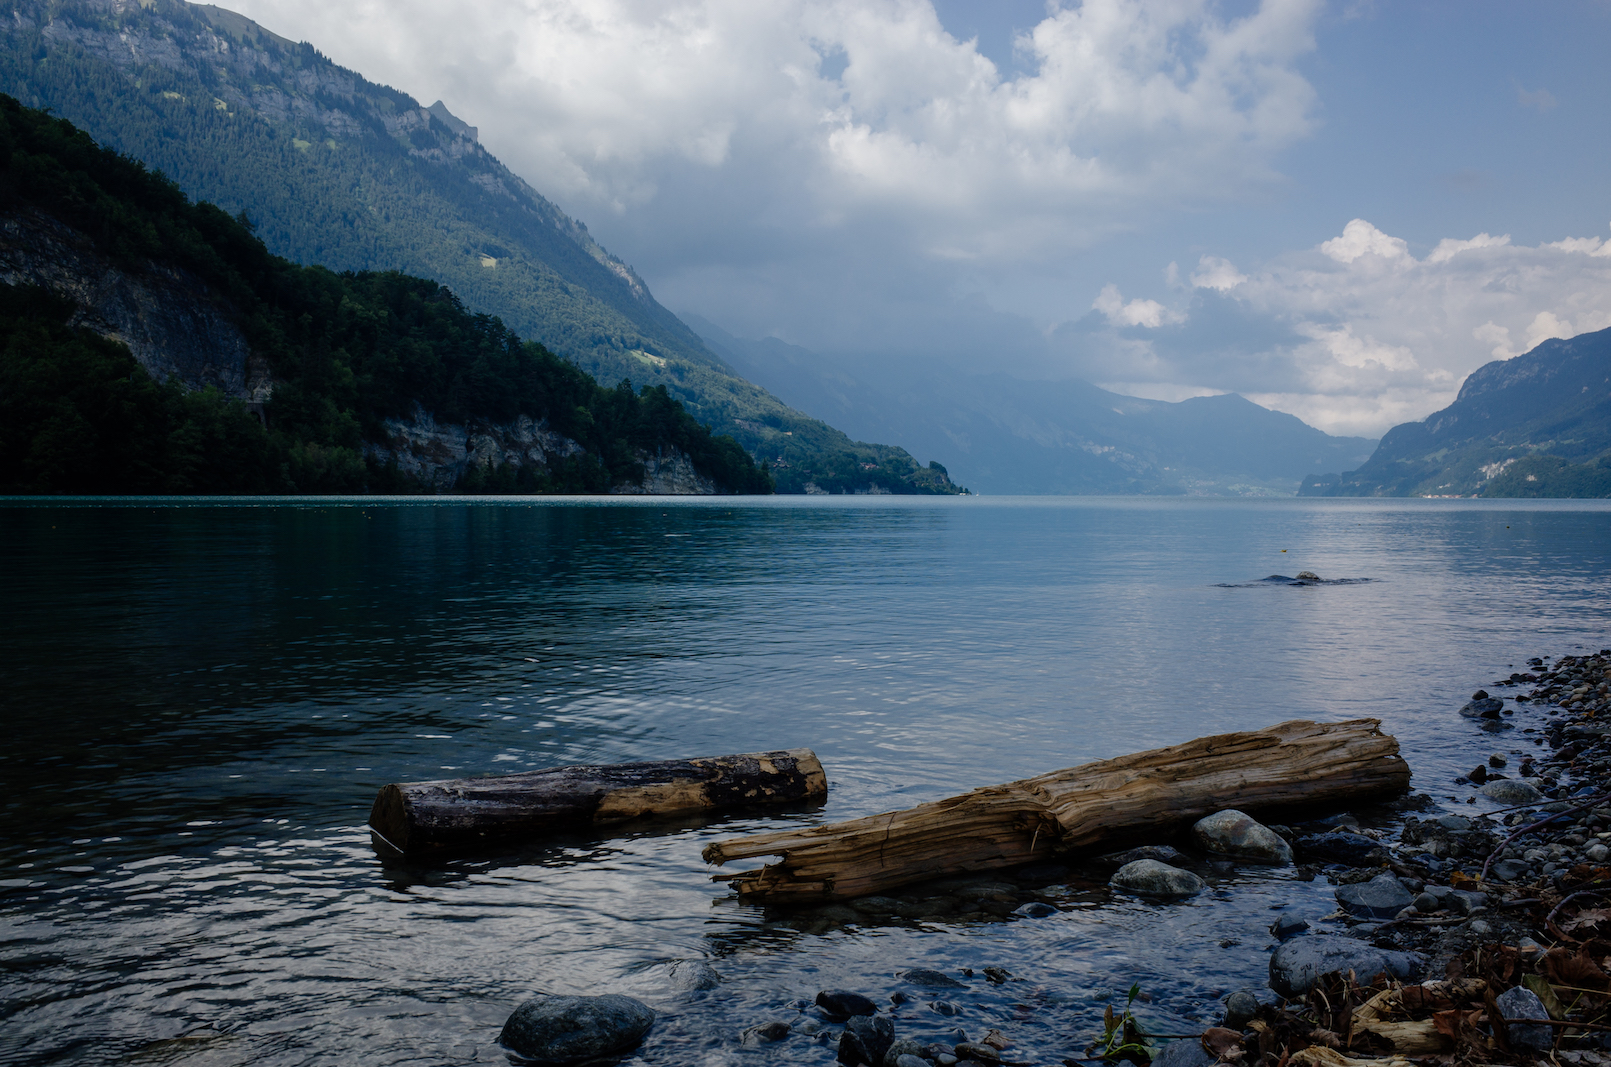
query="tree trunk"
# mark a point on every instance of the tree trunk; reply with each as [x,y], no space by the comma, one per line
[420,817]
[1158,791]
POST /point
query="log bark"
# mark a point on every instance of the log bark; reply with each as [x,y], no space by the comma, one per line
[1293,764]
[416,817]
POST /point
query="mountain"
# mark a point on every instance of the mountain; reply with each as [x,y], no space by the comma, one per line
[1535,425]
[1006,435]
[153,345]
[336,170]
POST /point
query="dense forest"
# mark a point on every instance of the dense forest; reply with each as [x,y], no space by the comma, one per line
[79,414]
[337,170]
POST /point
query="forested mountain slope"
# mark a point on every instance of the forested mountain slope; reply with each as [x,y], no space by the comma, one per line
[1535,425]
[1005,435]
[150,344]
[336,170]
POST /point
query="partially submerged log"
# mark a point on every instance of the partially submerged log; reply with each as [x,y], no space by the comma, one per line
[1293,764]
[417,817]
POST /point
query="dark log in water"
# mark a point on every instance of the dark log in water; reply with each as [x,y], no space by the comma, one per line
[417,817]
[1158,791]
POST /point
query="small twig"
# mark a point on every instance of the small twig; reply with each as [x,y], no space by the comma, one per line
[1571,896]
[1568,1023]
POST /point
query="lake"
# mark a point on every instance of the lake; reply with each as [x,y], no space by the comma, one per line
[202,699]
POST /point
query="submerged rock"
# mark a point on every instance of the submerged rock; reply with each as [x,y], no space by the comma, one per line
[690,975]
[1297,963]
[1149,878]
[842,1004]
[575,1029]
[1186,1052]
[1238,836]
[764,1033]
[932,979]
[1356,850]
[1161,853]
[1484,707]
[865,1040]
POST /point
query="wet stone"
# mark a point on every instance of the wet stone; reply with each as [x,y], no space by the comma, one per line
[1521,1003]
[1238,836]
[1186,1052]
[903,1047]
[1149,878]
[866,1039]
[908,1059]
[1380,898]
[1161,853]
[1288,926]
[1297,963]
[764,1033]
[1484,707]
[1511,791]
[1339,847]
[1035,909]
[931,979]
[1240,1007]
[842,1004]
[690,975]
[973,1050]
[563,1030]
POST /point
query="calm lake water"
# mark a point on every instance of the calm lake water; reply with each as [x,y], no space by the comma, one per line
[201,699]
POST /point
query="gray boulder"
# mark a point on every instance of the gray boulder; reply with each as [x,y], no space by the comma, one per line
[908,1059]
[931,979]
[904,1047]
[575,1029]
[1356,850]
[840,1003]
[764,1033]
[1380,898]
[1485,708]
[866,1039]
[1296,964]
[691,975]
[1186,1052]
[1149,878]
[1235,835]
[1523,1003]
[1240,1007]
[1511,791]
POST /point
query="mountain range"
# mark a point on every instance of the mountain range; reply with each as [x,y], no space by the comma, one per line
[333,169]
[1538,424]
[999,434]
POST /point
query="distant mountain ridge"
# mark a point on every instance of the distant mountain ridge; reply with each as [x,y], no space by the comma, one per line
[337,170]
[1535,425]
[1006,435]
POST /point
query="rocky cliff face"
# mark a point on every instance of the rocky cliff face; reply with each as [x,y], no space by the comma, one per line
[168,318]
[440,454]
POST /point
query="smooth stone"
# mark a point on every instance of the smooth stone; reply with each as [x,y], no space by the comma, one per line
[866,1039]
[1353,849]
[973,1050]
[1485,708]
[1596,853]
[932,979]
[693,975]
[1455,824]
[1425,902]
[904,1047]
[1511,791]
[1383,897]
[1149,878]
[842,1004]
[1297,963]
[575,1029]
[1482,929]
[1186,1052]
[944,1007]
[773,1030]
[1240,1007]
[1289,926]
[1509,870]
[1522,1003]
[1035,909]
[907,1059]
[1234,834]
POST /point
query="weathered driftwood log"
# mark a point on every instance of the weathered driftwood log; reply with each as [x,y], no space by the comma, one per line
[1295,763]
[424,816]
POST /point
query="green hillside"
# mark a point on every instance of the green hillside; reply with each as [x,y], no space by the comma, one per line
[1536,425]
[336,170]
[344,352]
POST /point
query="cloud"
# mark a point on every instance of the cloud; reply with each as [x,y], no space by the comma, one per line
[1215,273]
[1146,313]
[1540,99]
[864,117]
[1356,334]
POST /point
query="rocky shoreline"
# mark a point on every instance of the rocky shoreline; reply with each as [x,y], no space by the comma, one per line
[1456,939]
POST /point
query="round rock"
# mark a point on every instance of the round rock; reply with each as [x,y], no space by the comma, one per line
[1511,791]
[842,1004]
[1149,878]
[1240,1007]
[1236,835]
[1035,909]
[575,1029]
[693,975]
[931,979]
[1297,963]
[1382,897]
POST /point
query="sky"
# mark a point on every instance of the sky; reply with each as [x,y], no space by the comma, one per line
[1338,209]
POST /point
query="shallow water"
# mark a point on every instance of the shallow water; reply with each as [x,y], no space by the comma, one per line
[203,698]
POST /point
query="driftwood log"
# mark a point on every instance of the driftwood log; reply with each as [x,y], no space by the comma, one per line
[1293,764]
[418,817]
